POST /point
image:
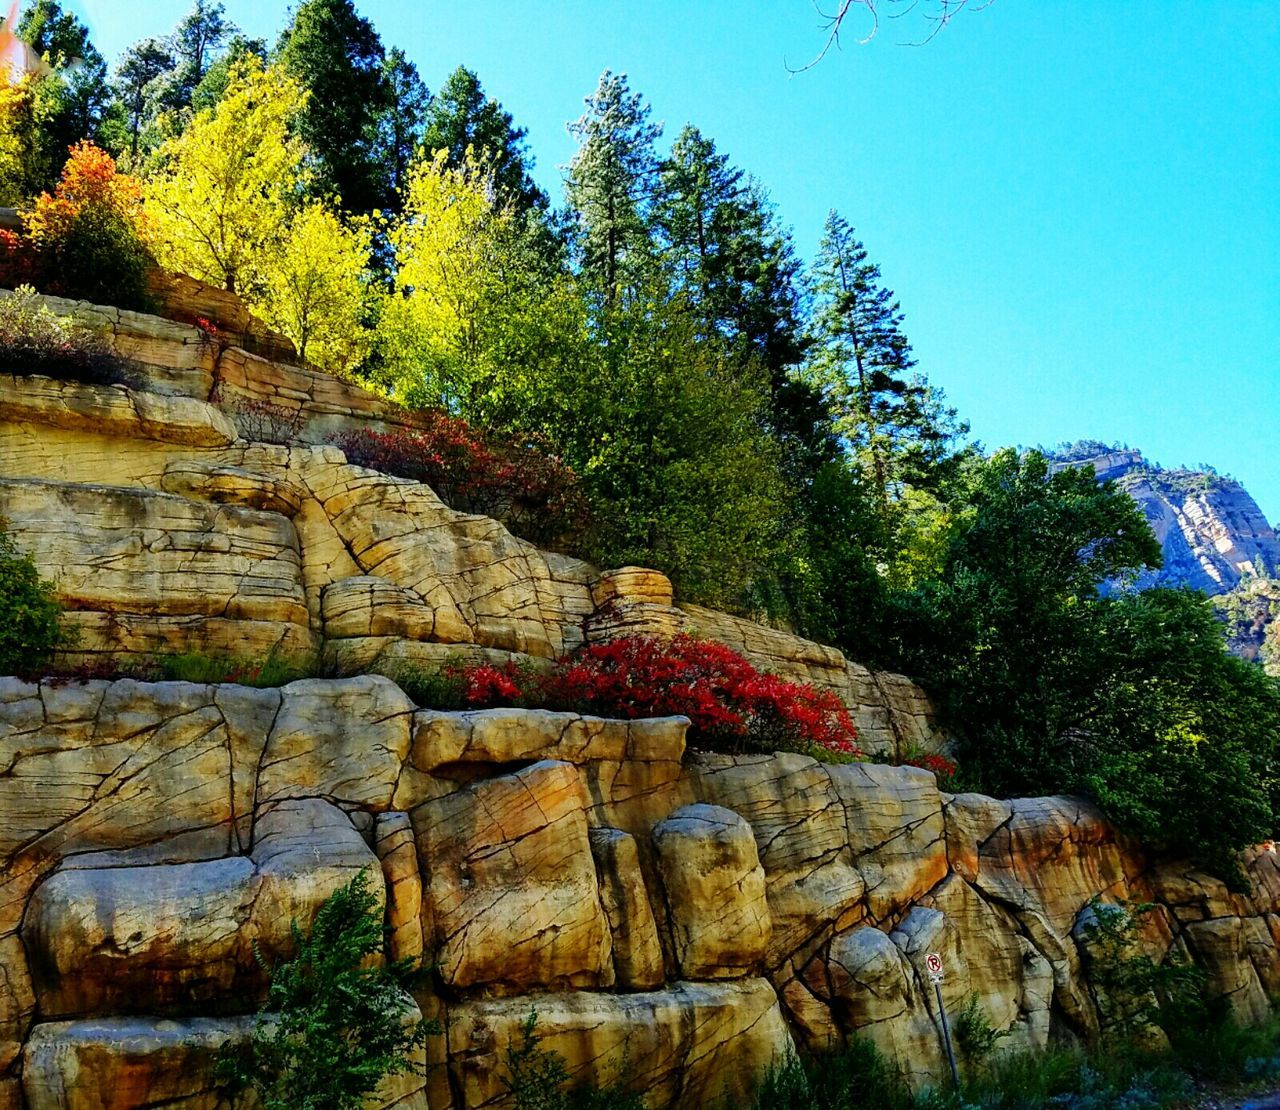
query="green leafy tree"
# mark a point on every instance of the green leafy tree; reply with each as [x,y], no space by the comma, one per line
[71,101]
[335,54]
[226,187]
[19,139]
[337,1021]
[1052,686]
[29,612]
[610,187]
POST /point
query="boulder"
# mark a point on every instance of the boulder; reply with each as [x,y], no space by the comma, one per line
[875,988]
[231,485]
[345,739]
[696,1044]
[637,953]
[120,939]
[802,839]
[896,832]
[714,889]
[512,885]
[398,854]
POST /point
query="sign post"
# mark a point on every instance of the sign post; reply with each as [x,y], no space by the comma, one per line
[933,962]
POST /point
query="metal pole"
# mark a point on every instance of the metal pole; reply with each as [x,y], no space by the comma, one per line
[946,1034]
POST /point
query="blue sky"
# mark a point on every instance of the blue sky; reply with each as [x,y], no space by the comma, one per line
[1076,203]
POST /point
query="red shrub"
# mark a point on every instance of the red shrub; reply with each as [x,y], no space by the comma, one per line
[19,262]
[940,765]
[731,705]
[530,490]
[86,238]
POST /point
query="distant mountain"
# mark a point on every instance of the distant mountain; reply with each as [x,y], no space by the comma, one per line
[1214,538]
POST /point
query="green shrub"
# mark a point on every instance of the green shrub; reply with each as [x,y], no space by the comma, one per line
[334,1024]
[537,1079]
[856,1076]
[34,340]
[1051,683]
[1138,995]
[976,1037]
[29,612]
[272,670]
[85,236]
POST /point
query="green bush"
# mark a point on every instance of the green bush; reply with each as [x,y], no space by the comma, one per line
[34,340]
[1052,683]
[1136,994]
[856,1076]
[334,1024]
[29,612]
[537,1079]
[274,669]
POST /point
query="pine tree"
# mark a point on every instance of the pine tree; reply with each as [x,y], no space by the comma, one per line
[139,69]
[896,425]
[196,43]
[461,116]
[337,56]
[402,123]
[611,183]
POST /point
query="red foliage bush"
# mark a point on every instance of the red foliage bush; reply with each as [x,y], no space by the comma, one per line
[732,706]
[19,262]
[940,765]
[529,489]
[85,240]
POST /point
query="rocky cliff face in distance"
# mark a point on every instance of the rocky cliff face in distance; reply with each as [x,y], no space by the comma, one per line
[1214,537]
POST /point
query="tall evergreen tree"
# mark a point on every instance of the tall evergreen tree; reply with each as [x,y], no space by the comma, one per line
[213,86]
[337,56]
[70,102]
[462,116]
[611,185]
[403,120]
[140,67]
[196,43]
[897,426]
[741,274]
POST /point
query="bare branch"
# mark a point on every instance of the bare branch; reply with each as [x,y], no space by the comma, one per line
[938,13]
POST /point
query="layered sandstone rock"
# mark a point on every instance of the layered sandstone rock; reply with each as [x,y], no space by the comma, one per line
[685,913]
[572,866]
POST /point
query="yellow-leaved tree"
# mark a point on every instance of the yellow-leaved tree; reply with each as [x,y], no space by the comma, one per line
[314,288]
[227,205]
[453,257]
[17,143]
[224,189]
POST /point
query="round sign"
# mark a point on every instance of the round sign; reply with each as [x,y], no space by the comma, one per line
[934,963]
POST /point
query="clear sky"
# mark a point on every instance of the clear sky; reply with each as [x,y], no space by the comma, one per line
[1076,203]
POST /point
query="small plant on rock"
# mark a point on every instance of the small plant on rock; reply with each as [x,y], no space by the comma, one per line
[976,1037]
[36,341]
[538,1079]
[29,612]
[336,1023]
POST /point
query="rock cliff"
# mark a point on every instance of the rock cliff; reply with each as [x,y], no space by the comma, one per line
[694,915]
[169,525]
[1212,532]
[1213,538]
